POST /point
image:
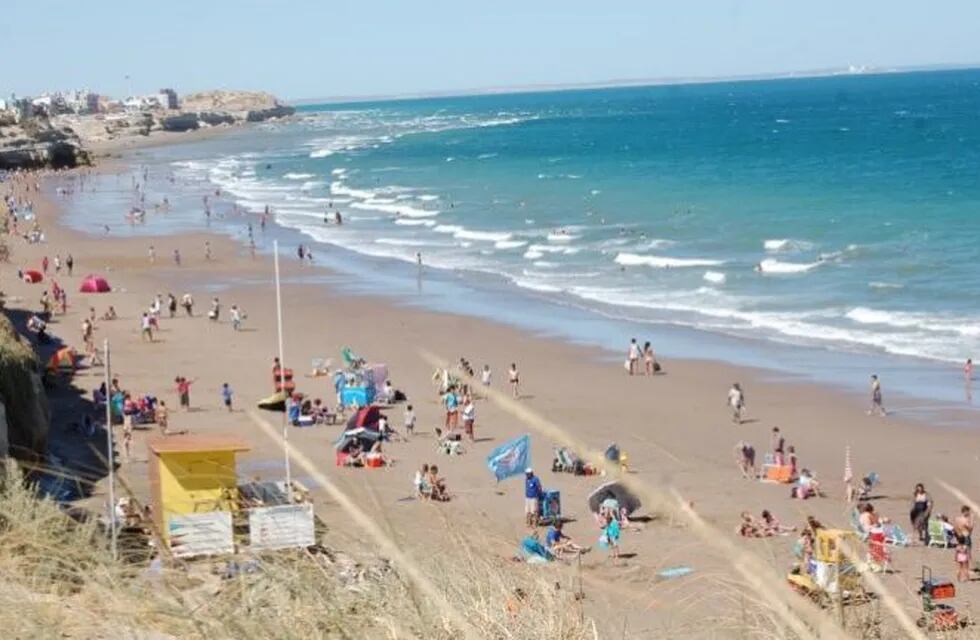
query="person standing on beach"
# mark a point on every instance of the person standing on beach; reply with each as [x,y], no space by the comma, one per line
[146,328]
[736,401]
[57,264]
[226,395]
[151,253]
[877,407]
[968,370]
[515,380]
[177,257]
[532,497]
[963,530]
[633,357]
[172,305]
[777,445]
[70,263]
[236,317]
[44,264]
[184,392]
[207,250]
[649,359]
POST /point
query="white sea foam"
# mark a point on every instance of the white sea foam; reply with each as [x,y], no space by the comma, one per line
[885,285]
[769,265]
[509,244]
[298,176]
[428,197]
[633,259]
[309,185]
[338,171]
[339,188]
[786,244]
[395,209]
[715,277]
[562,237]
[415,222]
[462,233]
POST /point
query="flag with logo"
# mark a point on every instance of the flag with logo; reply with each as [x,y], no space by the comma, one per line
[511,458]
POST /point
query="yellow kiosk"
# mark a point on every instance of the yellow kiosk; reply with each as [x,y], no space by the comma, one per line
[194,492]
[832,574]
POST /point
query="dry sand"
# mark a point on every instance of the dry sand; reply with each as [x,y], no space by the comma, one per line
[675,427]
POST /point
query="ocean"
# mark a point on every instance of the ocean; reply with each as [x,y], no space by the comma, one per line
[837,214]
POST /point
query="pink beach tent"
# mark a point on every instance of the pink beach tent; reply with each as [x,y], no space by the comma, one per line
[33,276]
[95,284]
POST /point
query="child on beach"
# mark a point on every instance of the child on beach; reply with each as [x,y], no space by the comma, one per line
[469,417]
[485,376]
[184,392]
[745,458]
[409,420]
[736,401]
[609,539]
[236,317]
[146,327]
[226,394]
[422,489]
[877,407]
[127,439]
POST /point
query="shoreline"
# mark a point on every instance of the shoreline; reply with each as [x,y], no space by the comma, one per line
[917,388]
[675,427]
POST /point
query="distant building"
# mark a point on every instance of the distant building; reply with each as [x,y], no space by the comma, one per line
[168,99]
[93,102]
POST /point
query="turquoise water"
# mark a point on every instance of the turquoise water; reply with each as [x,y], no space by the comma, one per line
[841,213]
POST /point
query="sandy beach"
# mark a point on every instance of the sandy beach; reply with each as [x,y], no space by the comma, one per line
[676,427]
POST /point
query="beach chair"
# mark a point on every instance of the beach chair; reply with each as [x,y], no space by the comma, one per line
[937,534]
[868,483]
[896,536]
[855,517]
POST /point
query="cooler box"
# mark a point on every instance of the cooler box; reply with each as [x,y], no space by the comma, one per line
[549,507]
[374,460]
[360,396]
[779,473]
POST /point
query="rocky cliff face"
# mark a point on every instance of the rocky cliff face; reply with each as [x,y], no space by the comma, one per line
[24,413]
[37,144]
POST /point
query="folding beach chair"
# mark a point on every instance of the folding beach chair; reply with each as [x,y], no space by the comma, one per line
[937,534]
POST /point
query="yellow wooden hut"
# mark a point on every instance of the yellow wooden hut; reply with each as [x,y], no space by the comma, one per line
[194,491]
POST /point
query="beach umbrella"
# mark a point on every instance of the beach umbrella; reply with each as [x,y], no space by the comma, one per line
[33,276]
[94,284]
[626,498]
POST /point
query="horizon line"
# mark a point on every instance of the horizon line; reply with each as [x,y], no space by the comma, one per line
[852,70]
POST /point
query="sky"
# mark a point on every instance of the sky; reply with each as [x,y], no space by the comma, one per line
[306,48]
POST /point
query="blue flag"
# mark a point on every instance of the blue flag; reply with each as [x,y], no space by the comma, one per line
[510,459]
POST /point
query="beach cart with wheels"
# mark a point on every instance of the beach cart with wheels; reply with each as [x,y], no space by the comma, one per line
[938,616]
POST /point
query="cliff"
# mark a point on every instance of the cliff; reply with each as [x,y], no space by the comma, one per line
[197,110]
[24,413]
[37,144]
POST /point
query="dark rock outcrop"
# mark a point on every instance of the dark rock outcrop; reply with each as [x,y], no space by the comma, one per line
[181,122]
[261,115]
[35,144]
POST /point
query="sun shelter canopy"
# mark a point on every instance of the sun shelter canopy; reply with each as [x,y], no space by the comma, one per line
[616,490]
[63,359]
[95,284]
[366,418]
[33,276]
[360,436]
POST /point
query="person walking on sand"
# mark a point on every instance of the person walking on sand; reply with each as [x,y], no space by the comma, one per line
[515,380]
[633,357]
[188,303]
[226,395]
[649,359]
[171,305]
[151,253]
[57,264]
[469,418]
[177,257]
[877,407]
[736,401]
[146,327]
[44,265]
[207,250]
[70,264]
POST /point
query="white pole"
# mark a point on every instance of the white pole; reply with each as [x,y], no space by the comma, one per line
[111,455]
[282,375]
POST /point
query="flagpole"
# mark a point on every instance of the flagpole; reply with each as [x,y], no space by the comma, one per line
[111,455]
[282,376]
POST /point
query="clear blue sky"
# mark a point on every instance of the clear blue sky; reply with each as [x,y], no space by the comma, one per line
[308,48]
